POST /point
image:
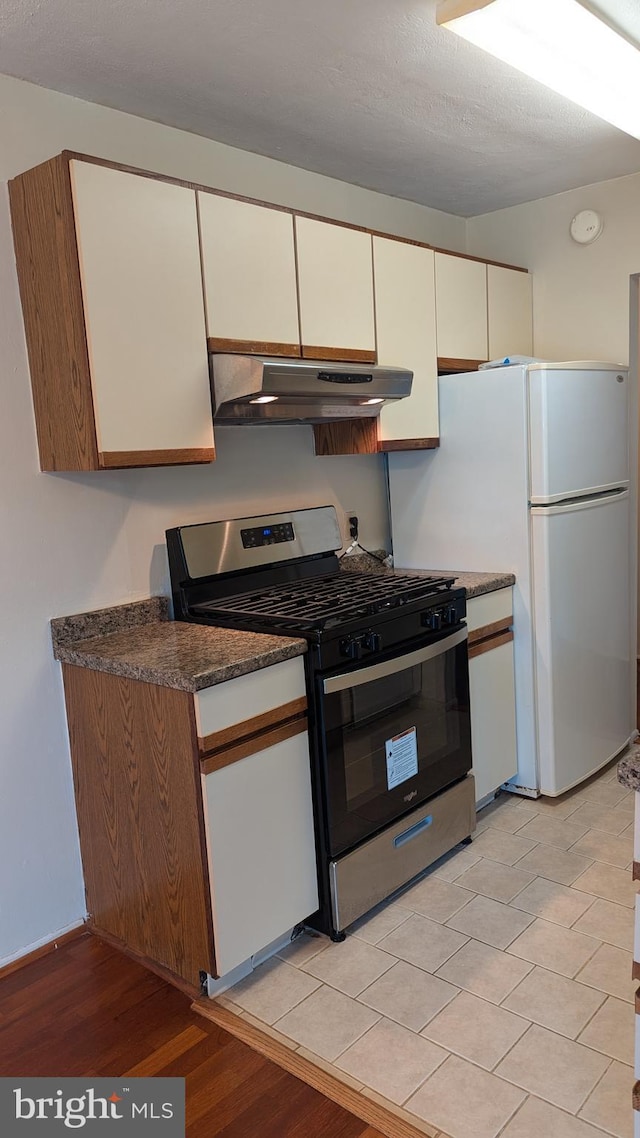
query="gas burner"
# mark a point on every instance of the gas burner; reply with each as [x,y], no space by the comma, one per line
[325,602]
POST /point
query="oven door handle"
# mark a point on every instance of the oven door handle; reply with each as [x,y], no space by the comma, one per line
[359,676]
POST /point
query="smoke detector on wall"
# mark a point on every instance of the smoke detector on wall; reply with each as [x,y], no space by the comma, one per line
[586,226]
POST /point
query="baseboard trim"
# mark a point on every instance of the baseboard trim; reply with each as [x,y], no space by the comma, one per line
[363,1104]
[43,950]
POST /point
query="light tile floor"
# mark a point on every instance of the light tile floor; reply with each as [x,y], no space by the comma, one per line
[492,997]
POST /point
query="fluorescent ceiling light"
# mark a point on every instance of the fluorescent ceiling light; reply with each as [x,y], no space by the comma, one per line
[561,44]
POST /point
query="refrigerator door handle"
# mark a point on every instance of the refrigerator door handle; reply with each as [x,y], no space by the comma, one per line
[591,492]
[574,504]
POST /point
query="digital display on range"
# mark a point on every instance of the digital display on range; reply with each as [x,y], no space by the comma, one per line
[267,535]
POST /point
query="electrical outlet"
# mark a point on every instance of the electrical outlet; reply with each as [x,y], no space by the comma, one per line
[353,526]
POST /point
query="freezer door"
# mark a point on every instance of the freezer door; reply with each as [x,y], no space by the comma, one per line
[578,432]
[583,668]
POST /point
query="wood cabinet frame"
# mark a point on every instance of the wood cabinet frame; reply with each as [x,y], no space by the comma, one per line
[51,293]
[138,767]
[49,278]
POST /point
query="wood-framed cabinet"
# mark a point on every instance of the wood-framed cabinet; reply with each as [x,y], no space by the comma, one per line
[406,334]
[335,286]
[109,272]
[484,312]
[128,278]
[509,312]
[405,327]
[196,822]
[461,312]
[249,276]
[492,690]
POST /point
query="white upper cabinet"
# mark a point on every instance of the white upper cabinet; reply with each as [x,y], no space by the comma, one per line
[510,312]
[249,272]
[406,335]
[461,308]
[335,281]
[141,284]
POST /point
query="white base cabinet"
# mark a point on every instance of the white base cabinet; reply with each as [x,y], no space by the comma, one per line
[260,841]
[492,691]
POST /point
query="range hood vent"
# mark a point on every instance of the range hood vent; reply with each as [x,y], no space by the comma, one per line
[253,389]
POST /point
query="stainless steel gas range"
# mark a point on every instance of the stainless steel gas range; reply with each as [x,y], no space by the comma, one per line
[387,689]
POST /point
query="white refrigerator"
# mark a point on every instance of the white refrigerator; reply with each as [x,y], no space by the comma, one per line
[534,476]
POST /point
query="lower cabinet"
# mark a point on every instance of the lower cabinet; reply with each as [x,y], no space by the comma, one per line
[262,866]
[492,691]
[195,815]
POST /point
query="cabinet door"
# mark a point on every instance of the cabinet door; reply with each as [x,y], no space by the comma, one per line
[509,312]
[144,311]
[335,282]
[493,718]
[461,308]
[261,848]
[406,335]
[249,272]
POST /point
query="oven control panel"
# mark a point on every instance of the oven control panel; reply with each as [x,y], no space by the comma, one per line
[438,616]
[267,535]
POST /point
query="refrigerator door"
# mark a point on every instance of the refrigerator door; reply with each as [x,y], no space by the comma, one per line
[581,560]
[578,430]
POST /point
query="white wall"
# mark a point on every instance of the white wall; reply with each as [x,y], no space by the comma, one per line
[580,292]
[77,542]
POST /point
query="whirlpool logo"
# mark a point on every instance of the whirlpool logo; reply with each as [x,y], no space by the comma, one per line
[135,1107]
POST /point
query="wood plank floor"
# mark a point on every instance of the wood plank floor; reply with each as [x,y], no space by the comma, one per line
[89,1010]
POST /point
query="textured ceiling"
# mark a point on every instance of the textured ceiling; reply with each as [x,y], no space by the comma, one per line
[370,91]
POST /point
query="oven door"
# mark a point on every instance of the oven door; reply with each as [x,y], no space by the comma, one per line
[394,734]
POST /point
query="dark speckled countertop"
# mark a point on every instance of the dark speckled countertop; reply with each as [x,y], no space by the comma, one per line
[140,641]
[474,583]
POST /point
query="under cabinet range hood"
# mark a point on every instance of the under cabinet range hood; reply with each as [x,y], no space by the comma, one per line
[254,389]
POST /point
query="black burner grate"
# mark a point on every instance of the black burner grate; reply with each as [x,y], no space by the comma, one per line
[325,602]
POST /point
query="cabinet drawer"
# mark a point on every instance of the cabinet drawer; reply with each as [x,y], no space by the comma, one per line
[489,608]
[238,701]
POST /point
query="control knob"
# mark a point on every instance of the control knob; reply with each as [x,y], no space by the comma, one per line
[432,619]
[450,615]
[373,642]
[351,648]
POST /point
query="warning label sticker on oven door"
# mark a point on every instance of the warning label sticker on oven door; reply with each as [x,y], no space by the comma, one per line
[402,757]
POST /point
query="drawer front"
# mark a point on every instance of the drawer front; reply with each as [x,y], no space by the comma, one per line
[489,608]
[236,701]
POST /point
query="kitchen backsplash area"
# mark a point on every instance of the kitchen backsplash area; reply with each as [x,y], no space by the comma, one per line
[257,470]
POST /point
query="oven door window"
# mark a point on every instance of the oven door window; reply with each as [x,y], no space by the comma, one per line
[395,734]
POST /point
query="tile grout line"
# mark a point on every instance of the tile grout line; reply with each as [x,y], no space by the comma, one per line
[596,1085]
